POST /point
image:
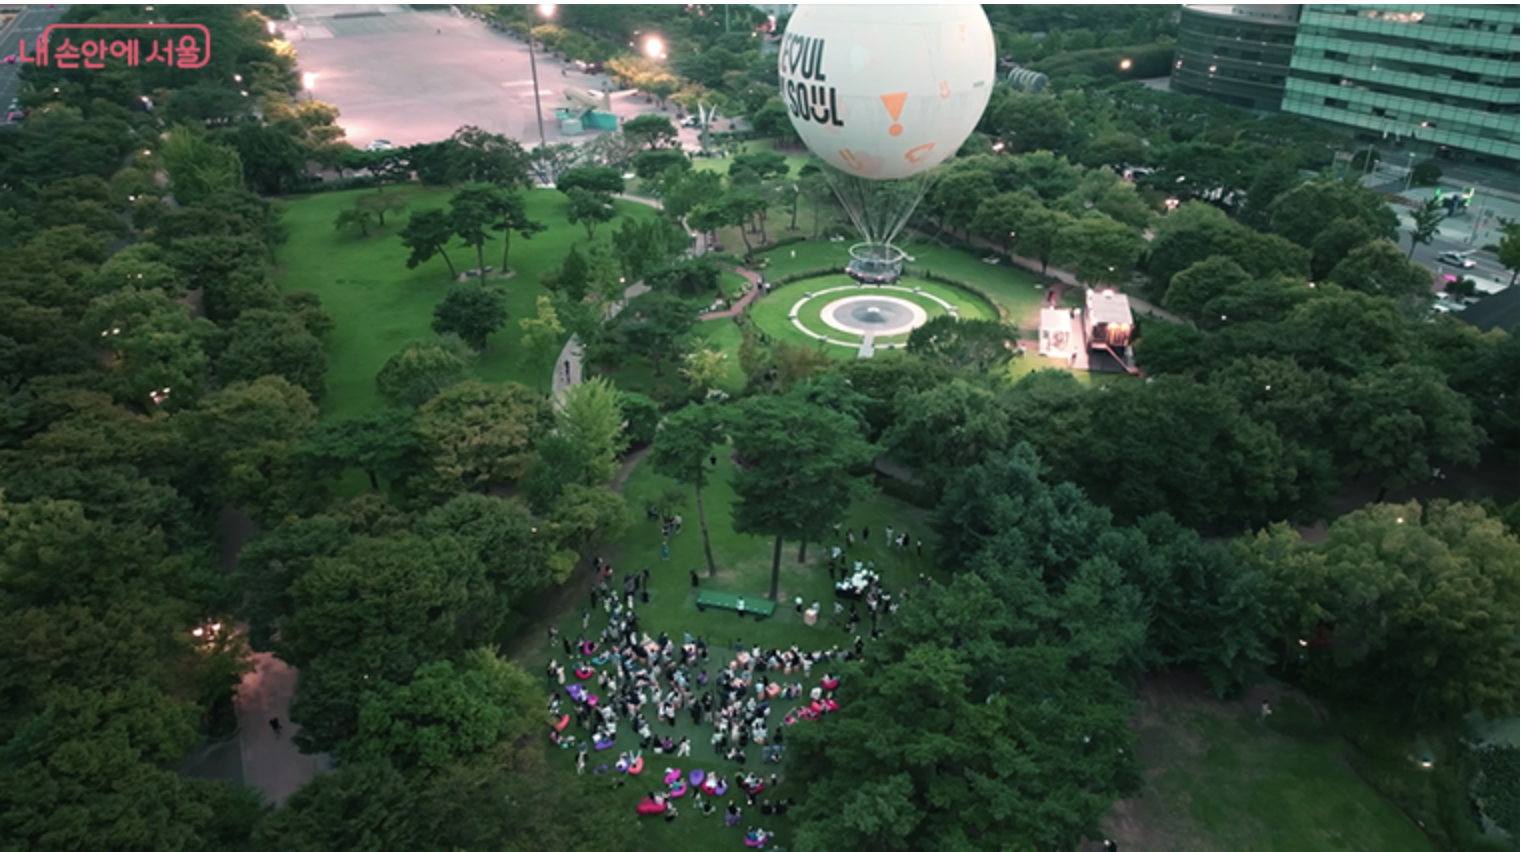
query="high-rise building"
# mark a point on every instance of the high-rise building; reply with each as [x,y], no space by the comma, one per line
[1443,77]
[1238,54]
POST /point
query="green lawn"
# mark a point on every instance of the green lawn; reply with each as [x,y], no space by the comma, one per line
[379,304]
[744,564]
[771,313]
[1217,779]
[1014,289]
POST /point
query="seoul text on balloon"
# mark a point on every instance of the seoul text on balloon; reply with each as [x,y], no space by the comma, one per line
[809,95]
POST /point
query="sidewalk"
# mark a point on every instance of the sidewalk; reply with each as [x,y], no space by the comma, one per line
[271,763]
[745,300]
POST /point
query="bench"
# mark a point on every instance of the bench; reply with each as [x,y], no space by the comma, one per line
[759,607]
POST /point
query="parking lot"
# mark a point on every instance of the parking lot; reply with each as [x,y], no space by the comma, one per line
[411,77]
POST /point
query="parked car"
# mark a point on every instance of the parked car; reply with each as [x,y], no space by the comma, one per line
[1453,258]
[379,145]
[10,60]
[588,67]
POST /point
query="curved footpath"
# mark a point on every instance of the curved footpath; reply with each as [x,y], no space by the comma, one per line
[568,367]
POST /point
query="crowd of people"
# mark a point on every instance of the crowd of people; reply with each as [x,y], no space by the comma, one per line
[623,679]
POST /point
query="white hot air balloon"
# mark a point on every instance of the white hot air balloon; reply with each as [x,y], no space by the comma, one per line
[883,94]
[886,92]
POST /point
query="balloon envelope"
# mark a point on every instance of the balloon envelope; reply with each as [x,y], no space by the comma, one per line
[885,92]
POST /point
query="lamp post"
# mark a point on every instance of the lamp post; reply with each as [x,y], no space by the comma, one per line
[548,11]
[309,82]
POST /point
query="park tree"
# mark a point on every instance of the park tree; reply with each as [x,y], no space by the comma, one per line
[999,216]
[382,204]
[553,808]
[1300,404]
[1378,269]
[96,771]
[403,588]
[428,233]
[228,270]
[650,130]
[1302,213]
[945,428]
[1026,726]
[1424,223]
[955,198]
[798,471]
[653,323]
[501,536]
[1271,180]
[646,245]
[1235,473]
[263,343]
[682,447]
[1098,249]
[582,518]
[589,209]
[365,806]
[600,179]
[243,441]
[473,311]
[1400,422]
[543,338]
[378,442]
[587,414]
[423,368]
[508,214]
[447,712]
[472,212]
[570,280]
[705,366]
[475,156]
[1196,285]
[1345,333]
[1415,604]
[691,190]
[1507,248]
[979,345]
[355,218]
[473,435]
[1040,229]
[1029,122]
[653,166]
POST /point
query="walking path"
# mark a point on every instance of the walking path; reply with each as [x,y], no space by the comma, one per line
[750,296]
[271,762]
[568,367]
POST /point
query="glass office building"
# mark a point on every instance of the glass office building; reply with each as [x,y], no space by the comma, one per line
[1237,54]
[1444,78]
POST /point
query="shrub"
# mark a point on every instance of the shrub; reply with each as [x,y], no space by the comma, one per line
[1426,173]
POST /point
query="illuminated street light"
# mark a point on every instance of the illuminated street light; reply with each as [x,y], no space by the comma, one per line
[655,48]
[309,82]
[547,10]
[1125,65]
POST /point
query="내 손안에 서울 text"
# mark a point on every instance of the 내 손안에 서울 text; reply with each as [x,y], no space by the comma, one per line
[92,45]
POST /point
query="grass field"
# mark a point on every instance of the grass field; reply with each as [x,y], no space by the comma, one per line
[744,564]
[1218,779]
[379,304]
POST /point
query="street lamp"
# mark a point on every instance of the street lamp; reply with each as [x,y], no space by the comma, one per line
[309,82]
[655,48]
[547,10]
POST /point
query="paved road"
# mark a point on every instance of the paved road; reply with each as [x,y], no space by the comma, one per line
[28,25]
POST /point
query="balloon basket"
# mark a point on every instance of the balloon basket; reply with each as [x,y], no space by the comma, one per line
[876,263]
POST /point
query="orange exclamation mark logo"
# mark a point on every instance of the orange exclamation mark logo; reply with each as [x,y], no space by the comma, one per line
[895,105]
